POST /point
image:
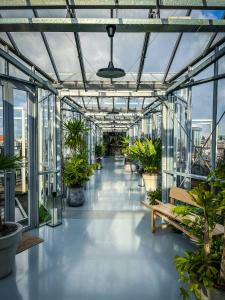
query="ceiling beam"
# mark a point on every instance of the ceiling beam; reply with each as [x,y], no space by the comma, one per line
[35,12]
[108,93]
[143,53]
[27,71]
[112,4]
[180,35]
[193,72]
[116,85]
[72,14]
[180,24]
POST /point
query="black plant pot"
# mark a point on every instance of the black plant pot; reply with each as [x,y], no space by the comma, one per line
[75,196]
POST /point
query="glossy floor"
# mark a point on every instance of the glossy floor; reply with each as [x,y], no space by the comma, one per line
[108,253]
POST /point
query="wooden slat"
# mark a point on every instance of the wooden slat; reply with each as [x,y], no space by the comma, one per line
[182,195]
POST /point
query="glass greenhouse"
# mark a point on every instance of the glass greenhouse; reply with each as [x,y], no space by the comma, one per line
[129,75]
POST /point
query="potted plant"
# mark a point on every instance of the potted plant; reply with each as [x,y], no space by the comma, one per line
[148,153]
[154,195]
[75,133]
[202,270]
[76,172]
[129,165]
[99,153]
[10,232]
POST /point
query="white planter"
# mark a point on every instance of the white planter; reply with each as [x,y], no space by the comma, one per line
[8,246]
[151,181]
[213,294]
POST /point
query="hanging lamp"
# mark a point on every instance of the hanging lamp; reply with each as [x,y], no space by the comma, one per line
[111,71]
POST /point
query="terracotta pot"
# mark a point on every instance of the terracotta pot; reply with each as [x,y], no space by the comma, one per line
[151,181]
[213,294]
[8,246]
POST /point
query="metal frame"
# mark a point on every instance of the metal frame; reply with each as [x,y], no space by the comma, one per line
[122,25]
[109,4]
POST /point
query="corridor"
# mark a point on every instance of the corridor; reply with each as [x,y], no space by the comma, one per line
[103,251]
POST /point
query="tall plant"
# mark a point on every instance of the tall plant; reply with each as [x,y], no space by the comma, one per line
[75,131]
[200,268]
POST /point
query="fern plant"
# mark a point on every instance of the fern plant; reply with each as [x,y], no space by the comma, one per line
[148,152]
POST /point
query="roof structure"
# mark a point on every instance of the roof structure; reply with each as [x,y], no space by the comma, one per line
[161,45]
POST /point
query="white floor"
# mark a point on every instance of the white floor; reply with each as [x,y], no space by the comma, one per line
[107,254]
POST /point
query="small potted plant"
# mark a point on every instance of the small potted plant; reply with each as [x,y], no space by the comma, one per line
[202,271]
[99,153]
[148,153]
[10,232]
[75,173]
[153,196]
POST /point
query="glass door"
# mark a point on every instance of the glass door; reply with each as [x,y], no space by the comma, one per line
[49,157]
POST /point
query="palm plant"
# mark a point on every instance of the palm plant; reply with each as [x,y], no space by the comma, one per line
[99,150]
[200,268]
[75,131]
[125,144]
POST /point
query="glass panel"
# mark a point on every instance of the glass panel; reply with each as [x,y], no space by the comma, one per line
[96,53]
[2,177]
[64,51]
[20,102]
[221,118]
[202,96]
[192,44]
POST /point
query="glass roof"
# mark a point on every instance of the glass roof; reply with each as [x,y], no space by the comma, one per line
[160,58]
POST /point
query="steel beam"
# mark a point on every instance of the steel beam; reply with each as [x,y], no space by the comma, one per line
[72,14]
[27,71]
[112,4]
[180,24]
[208,62]
[180,35]
[203,81]
[35,12]
[143,54]
[108,93]
[116,85]
[97,99]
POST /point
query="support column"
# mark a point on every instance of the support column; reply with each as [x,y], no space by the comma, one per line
[188,118]
[214,117]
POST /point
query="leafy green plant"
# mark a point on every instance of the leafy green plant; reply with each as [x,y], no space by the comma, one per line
[200,269]
[75,131]
[77,171]
[125,145]
[148,152]
[43,213]
[99,150]
[154,195]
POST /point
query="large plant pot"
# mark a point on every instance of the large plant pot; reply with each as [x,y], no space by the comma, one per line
[213,294]
[99,163]
[8,245]
[75,196]
[151,181]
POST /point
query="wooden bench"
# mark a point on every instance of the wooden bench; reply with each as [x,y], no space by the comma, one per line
[164,211]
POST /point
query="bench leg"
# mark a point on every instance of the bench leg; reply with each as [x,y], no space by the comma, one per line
[153,219]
